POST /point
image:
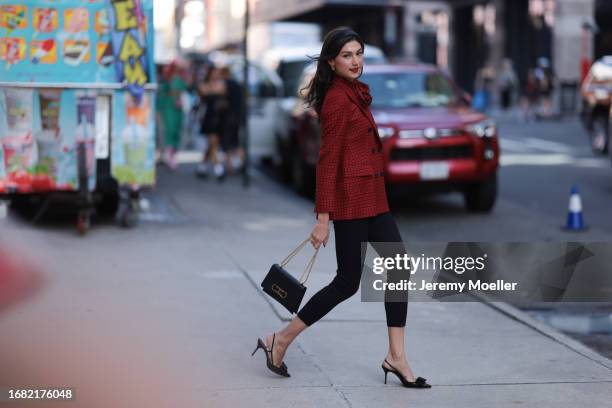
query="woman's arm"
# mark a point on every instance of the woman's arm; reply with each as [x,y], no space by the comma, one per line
[334,120]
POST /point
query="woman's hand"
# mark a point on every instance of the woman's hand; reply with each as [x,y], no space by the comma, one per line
[320,232]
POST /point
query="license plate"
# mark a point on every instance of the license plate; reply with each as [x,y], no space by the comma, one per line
[433,171]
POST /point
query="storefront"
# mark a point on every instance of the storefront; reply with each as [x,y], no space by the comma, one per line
[379,22]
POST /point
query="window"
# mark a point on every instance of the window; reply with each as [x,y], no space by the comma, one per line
[410,90]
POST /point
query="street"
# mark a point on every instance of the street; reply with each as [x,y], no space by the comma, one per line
[540,163]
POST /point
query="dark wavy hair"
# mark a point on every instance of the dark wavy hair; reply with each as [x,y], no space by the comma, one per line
[332,44]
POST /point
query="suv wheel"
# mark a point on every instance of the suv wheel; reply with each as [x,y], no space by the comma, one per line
[481,196]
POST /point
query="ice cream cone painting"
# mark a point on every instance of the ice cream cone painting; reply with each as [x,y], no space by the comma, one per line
[76,52]
[12,50]
[43,52]
[102,23]
[76,20]
[104,53]
[13,17]
[45,20]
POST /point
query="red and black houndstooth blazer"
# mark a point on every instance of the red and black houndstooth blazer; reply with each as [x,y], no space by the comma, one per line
[350,175]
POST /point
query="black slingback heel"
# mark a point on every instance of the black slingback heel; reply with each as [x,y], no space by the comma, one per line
[282,370]
[420,382]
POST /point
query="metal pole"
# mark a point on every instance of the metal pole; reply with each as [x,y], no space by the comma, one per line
[245,98]
[178,18]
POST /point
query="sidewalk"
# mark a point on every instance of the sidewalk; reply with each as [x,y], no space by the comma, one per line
[474,355]
[196,279]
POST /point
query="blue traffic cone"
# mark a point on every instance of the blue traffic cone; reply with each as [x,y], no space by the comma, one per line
[575,221]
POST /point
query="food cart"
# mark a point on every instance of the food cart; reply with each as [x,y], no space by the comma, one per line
[77,84]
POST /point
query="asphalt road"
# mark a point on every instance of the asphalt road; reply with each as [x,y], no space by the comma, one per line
[540,164]
[541,161]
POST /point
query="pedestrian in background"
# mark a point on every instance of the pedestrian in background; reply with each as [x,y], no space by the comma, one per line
[530,97]
[545,80]
[198,108]
[482,86]
[507,81]
[170,106]
[212,93]
[351,192]
[231,117]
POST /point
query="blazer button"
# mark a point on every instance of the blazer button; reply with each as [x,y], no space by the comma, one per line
[369,130]
[381,174]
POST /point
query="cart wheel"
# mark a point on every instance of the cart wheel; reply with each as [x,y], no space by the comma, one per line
[129,218]
[128,208]
[83,222]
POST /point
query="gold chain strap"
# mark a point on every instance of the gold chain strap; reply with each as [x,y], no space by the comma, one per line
[293,253]
[309,267]
[310,264]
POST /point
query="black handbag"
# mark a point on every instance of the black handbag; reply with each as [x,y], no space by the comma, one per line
[284,287]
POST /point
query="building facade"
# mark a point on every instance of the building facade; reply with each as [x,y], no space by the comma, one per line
[462,36]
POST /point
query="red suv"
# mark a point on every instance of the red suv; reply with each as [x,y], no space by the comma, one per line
[432,139]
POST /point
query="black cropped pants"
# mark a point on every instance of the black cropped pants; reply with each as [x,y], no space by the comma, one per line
[349,235]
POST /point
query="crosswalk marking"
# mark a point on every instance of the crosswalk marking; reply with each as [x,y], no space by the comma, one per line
[532,144]
[532,151]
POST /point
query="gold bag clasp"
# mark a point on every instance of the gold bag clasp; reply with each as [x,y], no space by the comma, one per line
[279,291]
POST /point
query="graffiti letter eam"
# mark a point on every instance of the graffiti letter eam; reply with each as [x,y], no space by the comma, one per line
[130,54]
[130,48]
[125,14]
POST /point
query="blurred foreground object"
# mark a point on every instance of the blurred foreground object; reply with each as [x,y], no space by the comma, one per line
[18,279]
[108,359]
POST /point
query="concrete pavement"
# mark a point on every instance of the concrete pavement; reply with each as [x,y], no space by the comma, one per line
[185,293]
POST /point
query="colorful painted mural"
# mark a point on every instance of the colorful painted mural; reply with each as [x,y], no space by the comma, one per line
[46,45]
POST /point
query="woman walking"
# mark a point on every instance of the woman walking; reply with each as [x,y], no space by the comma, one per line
[230,140]
[350,191]
[212,92]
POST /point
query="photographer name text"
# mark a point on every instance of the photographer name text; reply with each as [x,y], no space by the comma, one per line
[404,284]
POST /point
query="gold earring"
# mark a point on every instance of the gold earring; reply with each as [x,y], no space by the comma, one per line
[333,67]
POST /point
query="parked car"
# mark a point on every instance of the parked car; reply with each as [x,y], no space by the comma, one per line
[289,63]
[432,138]
[596,93]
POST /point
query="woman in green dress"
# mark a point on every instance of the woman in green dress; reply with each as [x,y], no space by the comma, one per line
[170,108]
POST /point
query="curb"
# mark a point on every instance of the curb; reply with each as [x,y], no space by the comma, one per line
[542,328]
